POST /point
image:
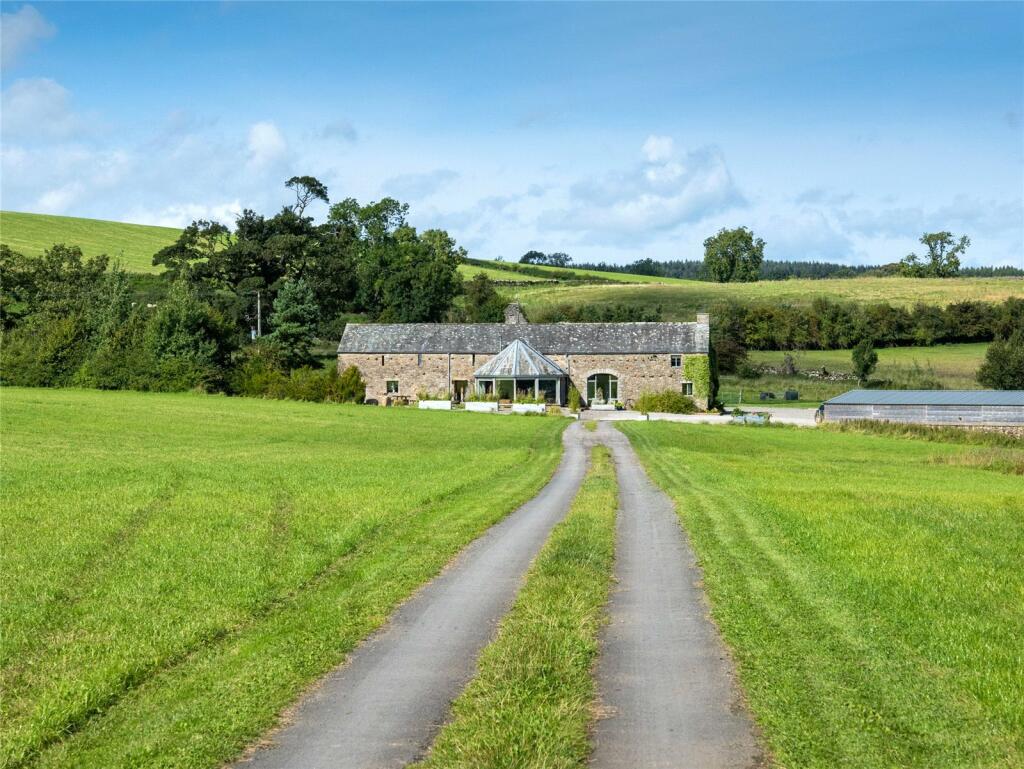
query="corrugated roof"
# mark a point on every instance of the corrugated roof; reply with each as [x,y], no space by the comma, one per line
[930,398]
[519,359]
[550,338]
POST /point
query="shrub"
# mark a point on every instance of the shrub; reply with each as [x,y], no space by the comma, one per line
[258,371]
[1003,368]
[864,360]
[350,386]
[667,402]
[574,400]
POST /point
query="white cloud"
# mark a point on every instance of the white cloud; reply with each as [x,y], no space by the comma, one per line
[654,196]
[20,31]
[37,107]
[418,186]
[340,129]
[805,234]
[267,145]
[658,149]
[183,214]
[57,201]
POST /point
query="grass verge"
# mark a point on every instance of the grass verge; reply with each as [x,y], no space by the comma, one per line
[178,568]
[531,701]
[870,587]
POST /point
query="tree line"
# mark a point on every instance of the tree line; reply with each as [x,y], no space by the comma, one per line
[71,320]
[825,324]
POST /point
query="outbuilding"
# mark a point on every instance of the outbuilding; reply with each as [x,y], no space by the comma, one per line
[982,408]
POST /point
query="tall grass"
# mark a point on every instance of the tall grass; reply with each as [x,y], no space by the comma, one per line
[870,588]
[531,701]
[177,568]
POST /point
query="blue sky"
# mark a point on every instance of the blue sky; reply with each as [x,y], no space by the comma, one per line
[609,131]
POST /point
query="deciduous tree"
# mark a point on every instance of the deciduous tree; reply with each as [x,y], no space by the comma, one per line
[733,255]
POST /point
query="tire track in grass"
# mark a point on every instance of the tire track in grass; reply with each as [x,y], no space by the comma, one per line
[58,609]
[531,701]
[57,725]
[200,684]
[868,676]
[764,586]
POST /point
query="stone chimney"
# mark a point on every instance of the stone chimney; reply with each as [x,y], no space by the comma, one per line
[702,317]
[514,314]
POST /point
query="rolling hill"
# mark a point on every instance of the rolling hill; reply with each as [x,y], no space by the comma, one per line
[133,244]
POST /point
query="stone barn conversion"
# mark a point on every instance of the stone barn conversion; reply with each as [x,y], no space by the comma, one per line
[980,408]
[606,362]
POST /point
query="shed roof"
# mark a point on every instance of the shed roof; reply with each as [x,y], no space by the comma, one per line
[519,359]
[929,398]
[550,338]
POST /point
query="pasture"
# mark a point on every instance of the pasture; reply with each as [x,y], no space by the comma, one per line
[869,586]
[682,299]
[179,568]
[131,244]
[953,365]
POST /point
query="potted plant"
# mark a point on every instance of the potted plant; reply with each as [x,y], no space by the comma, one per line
[438,402]
[485,402]
[528,404]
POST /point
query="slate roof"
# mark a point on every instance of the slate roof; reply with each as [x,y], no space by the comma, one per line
[549,338]
[519,359]
[929,398]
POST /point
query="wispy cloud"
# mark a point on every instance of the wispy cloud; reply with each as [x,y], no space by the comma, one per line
[418,186]
[20,32]
[666,190]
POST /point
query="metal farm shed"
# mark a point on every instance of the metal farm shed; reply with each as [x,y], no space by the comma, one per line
[929,407]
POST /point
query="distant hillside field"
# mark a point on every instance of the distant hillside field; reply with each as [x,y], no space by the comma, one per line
[680,299]
[132,244]
[135,244]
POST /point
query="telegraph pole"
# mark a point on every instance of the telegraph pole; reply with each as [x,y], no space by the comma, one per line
[259,316]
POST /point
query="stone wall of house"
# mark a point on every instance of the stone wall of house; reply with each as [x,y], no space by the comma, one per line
[434,372]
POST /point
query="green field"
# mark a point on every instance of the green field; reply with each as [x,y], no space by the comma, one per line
[532,699]
[953,365]
[870,587]
[132,244]
[507,270]
[178,568]
[683,299]
[467,271]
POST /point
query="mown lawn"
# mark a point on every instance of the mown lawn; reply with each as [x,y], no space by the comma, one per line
[871,587]
[531,701]
[680,300]
[132,244]
[177,568]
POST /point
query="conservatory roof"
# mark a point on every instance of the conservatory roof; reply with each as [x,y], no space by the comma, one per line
[519,360]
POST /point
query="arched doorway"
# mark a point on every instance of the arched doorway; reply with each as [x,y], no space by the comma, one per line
[602,388]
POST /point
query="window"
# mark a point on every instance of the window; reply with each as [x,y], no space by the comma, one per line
[382,360]
[602,388]
[687,388]
[392,387]
[419,359]
[472,361]
[677,361]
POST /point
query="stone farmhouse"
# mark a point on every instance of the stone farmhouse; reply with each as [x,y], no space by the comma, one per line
[606,362]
